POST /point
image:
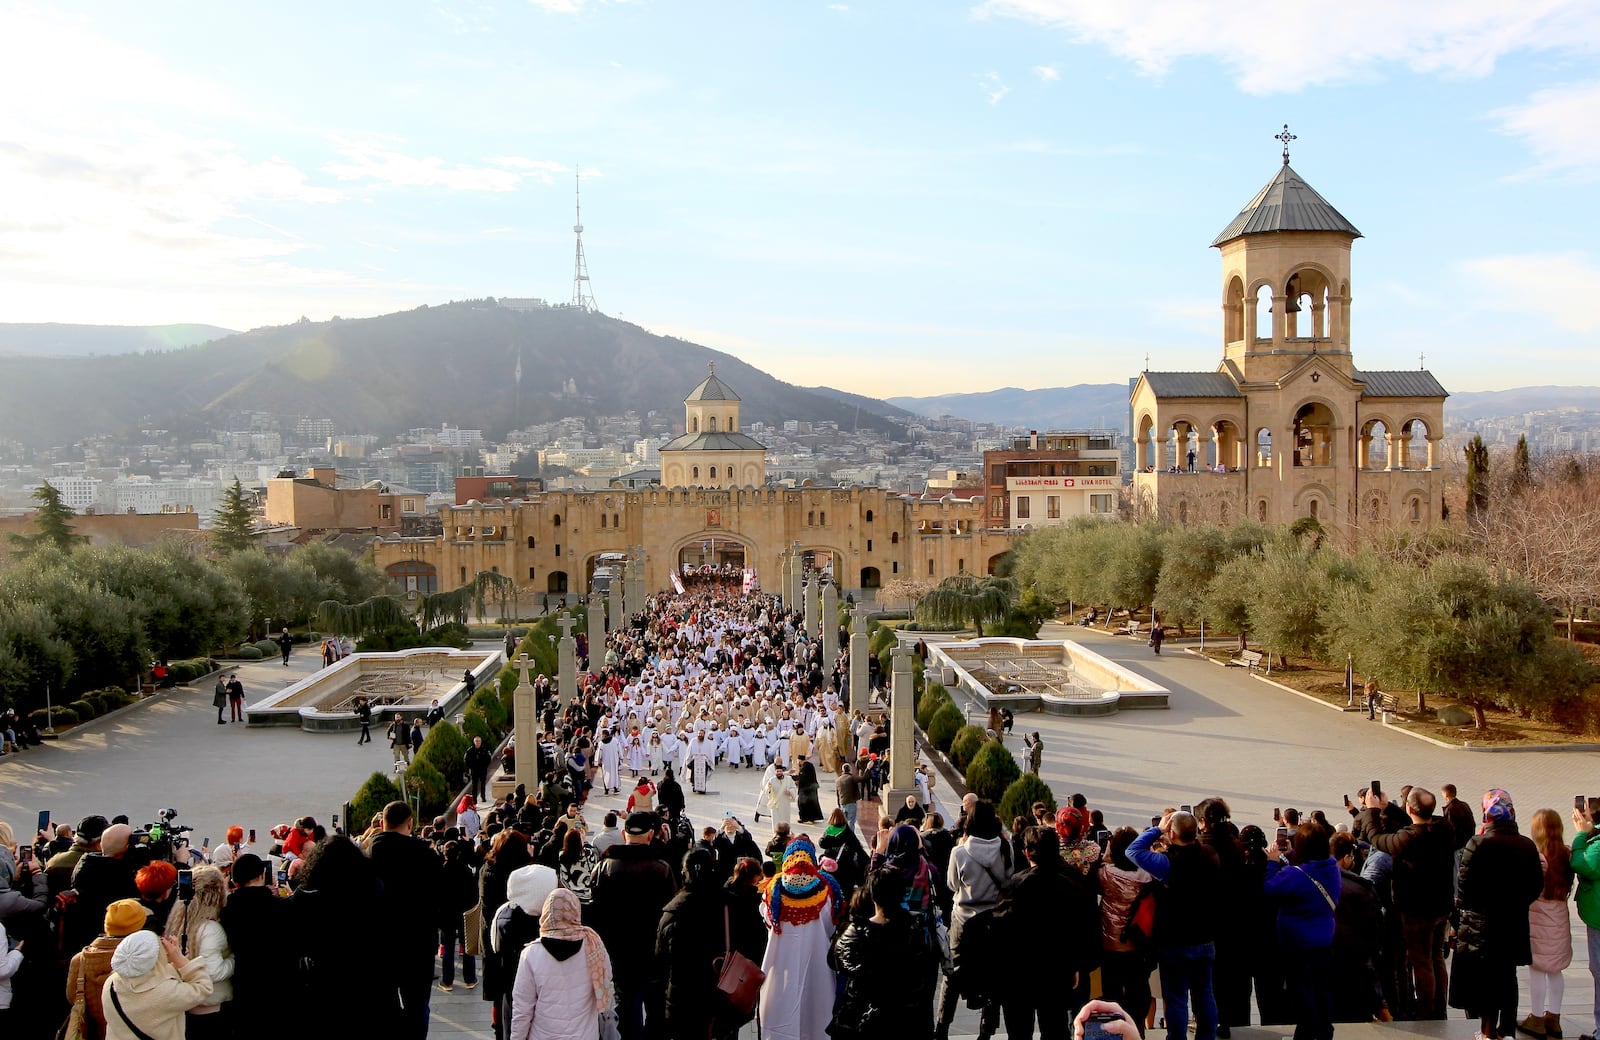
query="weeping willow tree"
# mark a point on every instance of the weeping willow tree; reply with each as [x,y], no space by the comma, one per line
[965,599]
[357,619]
[472,598]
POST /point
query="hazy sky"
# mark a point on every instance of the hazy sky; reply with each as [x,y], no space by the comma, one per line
[903,197]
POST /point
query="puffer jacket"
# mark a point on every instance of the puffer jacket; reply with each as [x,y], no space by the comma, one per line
[10,964]
[1586,864]
[1118,889]
[1550,930]
[1306,896]
[218,959]
[552,998]
[156,1000]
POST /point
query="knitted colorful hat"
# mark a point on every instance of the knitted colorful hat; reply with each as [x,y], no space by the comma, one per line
[800,893]
[1497,806]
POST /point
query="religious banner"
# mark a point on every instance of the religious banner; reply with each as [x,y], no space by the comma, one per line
[677,582]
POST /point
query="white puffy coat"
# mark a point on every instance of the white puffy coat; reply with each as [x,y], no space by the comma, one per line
[553,1000]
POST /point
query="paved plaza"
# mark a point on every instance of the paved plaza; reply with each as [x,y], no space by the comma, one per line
[1224,734]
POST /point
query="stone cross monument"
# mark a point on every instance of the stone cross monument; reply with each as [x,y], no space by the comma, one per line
[566,662]
[830,627]
[597,631]
[614,601]
[525,724]
[797,575]
[809,594]
[859,681]
[784,568]
[902,729]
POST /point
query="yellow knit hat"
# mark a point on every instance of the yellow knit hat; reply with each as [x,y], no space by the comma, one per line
[124,917]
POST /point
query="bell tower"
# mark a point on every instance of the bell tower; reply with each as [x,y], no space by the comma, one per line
[1285,278]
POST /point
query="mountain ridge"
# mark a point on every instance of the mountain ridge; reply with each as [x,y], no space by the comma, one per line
[61,339]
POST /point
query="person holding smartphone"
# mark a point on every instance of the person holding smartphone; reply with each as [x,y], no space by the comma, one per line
[1304,885]
[1187,919]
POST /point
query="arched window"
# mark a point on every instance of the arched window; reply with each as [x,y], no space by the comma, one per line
[713,473]
[1313,509]
[530,542]
[869,516]
[811,518]
[558,550]
[616,519]
[1261,511]
[694,425]
[555,521]
[1416,510]
[894,537]
[961,565]
[713,426]
[696,472]
[823,518]
[602,521]
[869,545]
[729,426]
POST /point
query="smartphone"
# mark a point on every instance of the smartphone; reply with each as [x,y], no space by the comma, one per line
[44,821]
[252,835]
[1283,834]
[206,844]
[24,853]
[335,821]
[1377,788]
[283,876]
[185,885]
[1186,808]
[1094,1027]
[1277,814]
[1578,801]
[1155,821]
[1347,801]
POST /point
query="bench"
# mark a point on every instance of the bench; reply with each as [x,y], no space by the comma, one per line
[1129,628]
[1388,704]
[1250,659]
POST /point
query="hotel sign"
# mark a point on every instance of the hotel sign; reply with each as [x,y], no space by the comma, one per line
[1069,483]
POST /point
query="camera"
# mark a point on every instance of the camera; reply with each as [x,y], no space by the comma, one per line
[161,840]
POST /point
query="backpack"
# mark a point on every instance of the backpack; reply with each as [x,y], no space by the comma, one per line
[60,918]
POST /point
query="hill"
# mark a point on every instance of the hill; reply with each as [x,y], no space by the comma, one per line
[1086,405]
[1480,404]
[870,404]
[453,363]
[55,340]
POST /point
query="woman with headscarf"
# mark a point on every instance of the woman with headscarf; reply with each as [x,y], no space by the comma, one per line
[515,925]
[696,929]
[801,907]
[564,979]
[1072,829]
[151,985]
[193,922]
[1500,878]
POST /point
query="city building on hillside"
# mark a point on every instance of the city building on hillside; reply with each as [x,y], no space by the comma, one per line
[1286,426]
[478,486]
[1046,479]
[315,504]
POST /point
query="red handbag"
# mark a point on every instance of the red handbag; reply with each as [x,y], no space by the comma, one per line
[738,980]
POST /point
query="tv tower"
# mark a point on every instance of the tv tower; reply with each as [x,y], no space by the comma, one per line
[582,295]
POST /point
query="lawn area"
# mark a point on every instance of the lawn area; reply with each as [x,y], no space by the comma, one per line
[1505,729]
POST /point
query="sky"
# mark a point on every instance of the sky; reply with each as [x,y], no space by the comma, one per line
[893,198]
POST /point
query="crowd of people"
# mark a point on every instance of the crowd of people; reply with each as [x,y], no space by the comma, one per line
[838,926]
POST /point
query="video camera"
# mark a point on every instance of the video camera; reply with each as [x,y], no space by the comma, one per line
[162,840]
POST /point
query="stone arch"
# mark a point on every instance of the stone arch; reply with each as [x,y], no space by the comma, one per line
[414,576]
[1181,436]
[871,578]
[1315,501]
[530,542]
[993,563]
[713,427]
[1372,444]
[1415,444]
[556,582]
[1263,444]
[1143,446]
[1263,510]
[1227,443]
[869,516]
[694,424]
[1307,287]
[1374,508]
[555,520]
[1262,296]
[1314,429]
[1233,310]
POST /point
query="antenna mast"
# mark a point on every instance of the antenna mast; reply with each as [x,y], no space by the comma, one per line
[582,295]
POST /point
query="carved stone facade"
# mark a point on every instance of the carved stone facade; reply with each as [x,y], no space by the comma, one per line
[1286,426]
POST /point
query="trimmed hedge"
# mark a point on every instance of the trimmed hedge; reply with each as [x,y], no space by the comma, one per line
[993,769]
[487,704]
[966,744]
[427,785]
[249,652]
[444,750]
[942,728]
[1020,796]
[882,636]
[934,697]
[376,793]
[84,708]
[268,647]
[473,724]
[61,717]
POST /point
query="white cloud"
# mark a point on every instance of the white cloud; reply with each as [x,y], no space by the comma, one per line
[1552,286]
[559,6]
[993,87]
[377,163]
[1271,49]
[1047,73]
[839,7]
[1556,125]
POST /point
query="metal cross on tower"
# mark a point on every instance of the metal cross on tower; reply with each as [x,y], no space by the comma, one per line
[582,295]
[1285,137]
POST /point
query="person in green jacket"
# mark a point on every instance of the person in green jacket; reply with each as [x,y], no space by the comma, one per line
[1586,864]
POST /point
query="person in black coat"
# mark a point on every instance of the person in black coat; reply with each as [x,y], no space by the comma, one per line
[1357,928]
[669,793]
[732,844]
[808,805]
[477,761]
[631,886]
[692,937]
[882,958]
[1501,876]
[335,916]
[263,952]
[412,878]
[460,896]
[1048,899]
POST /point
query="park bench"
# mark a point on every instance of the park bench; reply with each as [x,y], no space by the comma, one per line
[1388,704]
[1129,628]
[1250,659]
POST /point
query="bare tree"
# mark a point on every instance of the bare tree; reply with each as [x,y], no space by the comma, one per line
[1547,531]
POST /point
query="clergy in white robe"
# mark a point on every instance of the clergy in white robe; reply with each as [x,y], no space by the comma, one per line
[610,756]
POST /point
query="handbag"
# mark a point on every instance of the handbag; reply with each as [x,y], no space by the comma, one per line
[74,1027]
[738,978]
